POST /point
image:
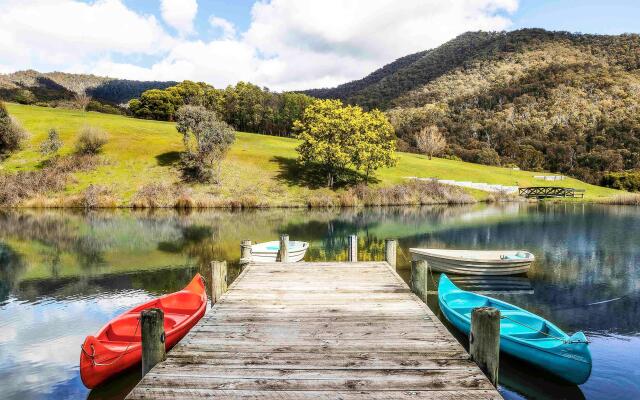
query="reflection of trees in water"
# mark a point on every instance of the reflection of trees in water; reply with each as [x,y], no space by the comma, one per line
[158,282]
[11,266]
[372,225]
[55,230]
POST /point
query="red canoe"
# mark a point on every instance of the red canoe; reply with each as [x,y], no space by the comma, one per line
[117,345]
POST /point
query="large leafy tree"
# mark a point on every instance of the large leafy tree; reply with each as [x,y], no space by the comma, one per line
[206,140]
[373,143]
[156,104]
[337,138]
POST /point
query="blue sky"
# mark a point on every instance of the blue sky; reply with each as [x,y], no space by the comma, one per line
[609,17]
[282,44]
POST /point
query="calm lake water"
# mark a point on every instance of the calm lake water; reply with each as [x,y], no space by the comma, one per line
[64,274]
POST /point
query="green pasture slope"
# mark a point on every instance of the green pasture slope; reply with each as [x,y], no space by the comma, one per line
[141,152]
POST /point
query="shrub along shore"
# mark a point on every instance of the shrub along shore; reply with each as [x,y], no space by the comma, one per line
[138,167]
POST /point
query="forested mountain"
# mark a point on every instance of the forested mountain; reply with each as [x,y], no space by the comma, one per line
[556,101]
[58,87]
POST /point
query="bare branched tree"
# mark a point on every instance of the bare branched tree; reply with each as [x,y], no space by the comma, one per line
[430,141]
[82,100]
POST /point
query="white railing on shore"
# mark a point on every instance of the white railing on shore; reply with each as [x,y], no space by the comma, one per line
[550,177]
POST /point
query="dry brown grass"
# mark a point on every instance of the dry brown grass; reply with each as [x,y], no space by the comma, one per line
[30,187]
[414,192]
[95,196]
[503,197]
[631,199]
[155,195]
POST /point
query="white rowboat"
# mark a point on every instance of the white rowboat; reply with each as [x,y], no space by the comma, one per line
[268,251]
[475,262]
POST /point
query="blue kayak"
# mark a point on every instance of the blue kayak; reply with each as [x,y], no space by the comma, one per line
[522,334]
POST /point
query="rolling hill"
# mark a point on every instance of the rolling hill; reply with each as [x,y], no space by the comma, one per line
[258,167]
[540,100]
[58,87]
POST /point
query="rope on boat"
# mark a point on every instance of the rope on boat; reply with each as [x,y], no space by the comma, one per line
[567,341]
[604,301]
[92,356]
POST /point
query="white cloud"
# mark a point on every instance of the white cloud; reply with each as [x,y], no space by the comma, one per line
[65,32]
[179,14]
[338,40]
[220,62]
[289,44]
[228,29]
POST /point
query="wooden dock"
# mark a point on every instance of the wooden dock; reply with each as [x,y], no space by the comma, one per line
[317,331]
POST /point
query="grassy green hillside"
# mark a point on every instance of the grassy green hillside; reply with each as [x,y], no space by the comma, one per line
[141,151]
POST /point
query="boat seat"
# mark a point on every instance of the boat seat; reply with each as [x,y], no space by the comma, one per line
[126,329]
[181,303]
[514,325]
[464,303]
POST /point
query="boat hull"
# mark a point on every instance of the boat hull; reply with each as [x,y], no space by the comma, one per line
[462,266]
[117,346]
[260,254]
[568,361]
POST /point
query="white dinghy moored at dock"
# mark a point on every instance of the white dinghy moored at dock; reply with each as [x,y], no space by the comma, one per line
[268,251]
[475,262]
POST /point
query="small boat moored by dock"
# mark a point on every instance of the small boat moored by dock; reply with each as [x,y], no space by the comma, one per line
[523,334]
[268,251]
[118,346]
[475,262]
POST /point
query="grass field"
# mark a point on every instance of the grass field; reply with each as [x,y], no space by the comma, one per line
[140,151]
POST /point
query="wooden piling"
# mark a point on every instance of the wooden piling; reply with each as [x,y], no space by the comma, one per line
[245,253]
[353,248]
[390,251]
[218,280]
[419,278]
[484,341]
[283,252]
[152,331]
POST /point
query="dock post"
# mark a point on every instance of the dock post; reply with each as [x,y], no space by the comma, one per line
[419,281]
[245,253]
[218,280]
[390,246]
[283,253]
[353,248]
[152,332]
[484,341]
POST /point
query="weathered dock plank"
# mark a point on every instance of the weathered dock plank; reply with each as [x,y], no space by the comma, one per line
[317,331]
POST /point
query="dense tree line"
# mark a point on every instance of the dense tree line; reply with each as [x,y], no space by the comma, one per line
[245,106]
[539,100]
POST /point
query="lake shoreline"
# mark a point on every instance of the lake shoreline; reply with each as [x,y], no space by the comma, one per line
[241,204]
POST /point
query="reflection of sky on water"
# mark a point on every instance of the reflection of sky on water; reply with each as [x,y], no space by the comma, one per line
[64,274]
[40,341]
